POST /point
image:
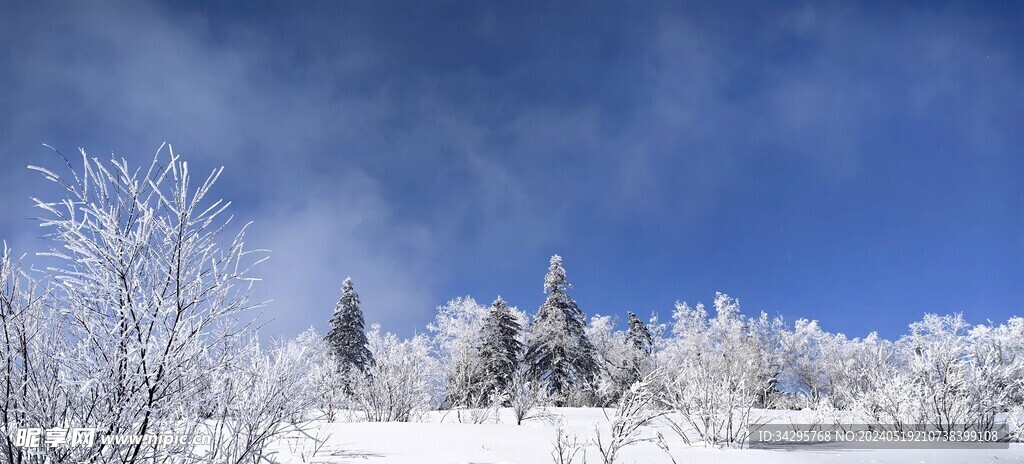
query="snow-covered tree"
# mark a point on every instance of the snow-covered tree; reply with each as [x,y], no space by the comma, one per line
[558,351]
[623,356]
[945,374]
[868,380]
[996,376]
[806,348]
[715,373]
[347,336]
[400,384]
[457,335]
[767,333]
[500,349]
[962,377]
[144,271]
[610,353]
[938,365]
[639,344]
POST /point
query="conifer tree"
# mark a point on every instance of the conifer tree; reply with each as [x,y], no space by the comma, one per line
[639,344]
[500,348]
[558,351]
[347,336]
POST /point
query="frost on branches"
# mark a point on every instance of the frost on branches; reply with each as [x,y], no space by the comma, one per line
[963,378]
[623,357]
[944,373]
[457,332]
[258,396]
[717,371]
[144,270]
[32,373]
[400,384]
[636,409]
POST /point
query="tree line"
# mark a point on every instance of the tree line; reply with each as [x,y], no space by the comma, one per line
[715,371]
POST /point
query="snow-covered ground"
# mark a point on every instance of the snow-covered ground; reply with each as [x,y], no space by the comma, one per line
[440,438]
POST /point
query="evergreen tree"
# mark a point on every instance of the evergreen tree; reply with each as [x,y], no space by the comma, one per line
[558,351]
[639,344]
[500,348]
[347,337]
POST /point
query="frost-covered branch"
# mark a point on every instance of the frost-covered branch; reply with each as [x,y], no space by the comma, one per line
[636,409]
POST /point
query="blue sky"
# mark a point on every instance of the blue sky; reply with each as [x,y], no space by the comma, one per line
[858,164]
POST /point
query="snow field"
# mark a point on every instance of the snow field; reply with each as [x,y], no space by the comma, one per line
[440,439]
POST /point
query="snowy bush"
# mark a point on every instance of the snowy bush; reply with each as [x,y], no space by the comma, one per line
[260,397]
[401,383]
[567,446]
[635,410]
[822,413]
[330,385]
[715,373]
[527,396]
[765,340]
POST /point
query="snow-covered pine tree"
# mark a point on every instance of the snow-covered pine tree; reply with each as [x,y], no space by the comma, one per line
[558,351]
[639,344]
[347,336]
[499,348]
[638,335]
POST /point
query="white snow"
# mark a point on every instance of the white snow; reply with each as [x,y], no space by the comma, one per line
[438,439]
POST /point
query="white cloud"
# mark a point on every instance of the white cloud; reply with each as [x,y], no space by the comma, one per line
[336,230]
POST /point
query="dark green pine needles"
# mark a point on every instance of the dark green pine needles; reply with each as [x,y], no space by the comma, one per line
[347,337]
